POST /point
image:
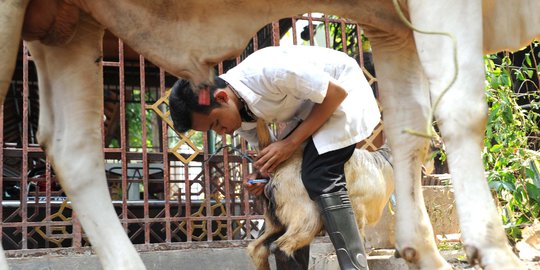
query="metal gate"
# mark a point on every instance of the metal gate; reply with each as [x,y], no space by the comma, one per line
[169,189]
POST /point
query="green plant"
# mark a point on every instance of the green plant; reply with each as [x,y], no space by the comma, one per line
[510,155]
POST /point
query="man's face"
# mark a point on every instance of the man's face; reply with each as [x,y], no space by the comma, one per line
[224,119]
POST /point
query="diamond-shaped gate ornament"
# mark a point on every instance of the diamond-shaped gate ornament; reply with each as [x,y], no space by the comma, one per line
[184,138]
[371,79]
[61,230]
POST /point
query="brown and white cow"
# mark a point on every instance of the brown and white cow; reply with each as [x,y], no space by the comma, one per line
[187,37]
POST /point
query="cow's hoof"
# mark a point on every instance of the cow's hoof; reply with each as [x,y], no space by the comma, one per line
[409,254]
[493,258]
[472,254]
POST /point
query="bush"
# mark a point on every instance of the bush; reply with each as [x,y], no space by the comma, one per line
[511,141]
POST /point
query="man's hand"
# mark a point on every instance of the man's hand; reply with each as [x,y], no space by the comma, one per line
[273,155]
[256,189]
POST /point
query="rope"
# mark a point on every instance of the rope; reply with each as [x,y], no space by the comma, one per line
[263,134]
[430,133]
[244,155]
[264,140]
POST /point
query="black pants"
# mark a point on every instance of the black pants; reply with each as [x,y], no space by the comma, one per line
[324,173]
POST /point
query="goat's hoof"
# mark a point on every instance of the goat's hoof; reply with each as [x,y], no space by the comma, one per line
[472,254]
[409,254]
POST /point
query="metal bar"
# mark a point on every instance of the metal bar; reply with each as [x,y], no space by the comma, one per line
[48,195]
[144,150]
[360,46]
[294,31]
[275,34]
[111,64]
[245,193]
[24,143]
[255,46]
[227,181]
[207,189]
[327,32]
[123,133]
[77,231]
[311,32]
[343,36]
[189,227]
[2,170]
[166,164]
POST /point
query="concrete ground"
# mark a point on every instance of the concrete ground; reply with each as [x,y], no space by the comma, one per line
[213,256]
[191,258]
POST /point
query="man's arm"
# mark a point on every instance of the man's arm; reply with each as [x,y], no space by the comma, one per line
[273,155]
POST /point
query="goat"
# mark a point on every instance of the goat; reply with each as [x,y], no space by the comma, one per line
[290,210]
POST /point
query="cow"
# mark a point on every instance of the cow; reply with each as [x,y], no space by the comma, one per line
[188,37]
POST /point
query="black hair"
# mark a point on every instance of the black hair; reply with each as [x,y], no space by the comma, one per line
[183,102]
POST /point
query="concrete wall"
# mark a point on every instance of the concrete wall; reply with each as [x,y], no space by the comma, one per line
[442,212]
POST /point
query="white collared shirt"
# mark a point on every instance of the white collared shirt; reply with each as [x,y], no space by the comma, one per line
[281,84]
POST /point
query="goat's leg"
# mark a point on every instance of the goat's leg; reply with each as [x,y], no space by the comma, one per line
[405,99]
[301,216]
[258,249]
[297,235]
[11,20]
[462,117]
[71,93]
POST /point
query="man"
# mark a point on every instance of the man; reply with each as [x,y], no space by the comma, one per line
[327,104]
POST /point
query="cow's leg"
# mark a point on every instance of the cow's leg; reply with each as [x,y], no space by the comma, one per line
[405,100]
[71,97]
[11,19]
[462,117]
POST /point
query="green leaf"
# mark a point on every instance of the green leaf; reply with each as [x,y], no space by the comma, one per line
[496,148]
[495,185]
[507,115]
[505,80]
[508,186]
[519,75]
[534,166]
[534,192]
[528,59]
[529,73]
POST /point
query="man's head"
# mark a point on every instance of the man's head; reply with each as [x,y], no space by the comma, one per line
[221,114]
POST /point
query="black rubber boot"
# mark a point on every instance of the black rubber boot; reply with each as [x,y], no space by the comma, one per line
[342,229]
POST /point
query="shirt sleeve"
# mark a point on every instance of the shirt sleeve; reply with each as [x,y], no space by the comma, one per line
[301,81]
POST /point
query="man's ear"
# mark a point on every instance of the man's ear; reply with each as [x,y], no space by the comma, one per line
[221,96]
